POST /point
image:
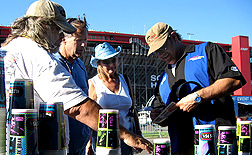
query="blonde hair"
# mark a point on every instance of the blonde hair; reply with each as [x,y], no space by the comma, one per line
[101,72]
[33,28]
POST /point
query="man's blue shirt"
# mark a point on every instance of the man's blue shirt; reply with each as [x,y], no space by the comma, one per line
[79,132]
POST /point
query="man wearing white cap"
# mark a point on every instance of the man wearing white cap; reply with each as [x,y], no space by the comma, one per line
[209,77]
[29,47]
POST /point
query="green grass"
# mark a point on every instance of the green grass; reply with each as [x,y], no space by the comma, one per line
[164,134]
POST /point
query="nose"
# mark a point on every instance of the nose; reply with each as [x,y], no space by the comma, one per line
[111,64]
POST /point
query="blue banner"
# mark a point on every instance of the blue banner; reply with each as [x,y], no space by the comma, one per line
[245,100]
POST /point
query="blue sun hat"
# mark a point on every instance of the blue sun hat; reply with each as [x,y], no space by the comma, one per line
[102,52]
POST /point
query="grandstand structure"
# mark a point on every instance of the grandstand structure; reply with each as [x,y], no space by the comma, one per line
[143,71]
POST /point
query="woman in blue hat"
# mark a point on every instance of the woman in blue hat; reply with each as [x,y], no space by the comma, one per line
[110,89]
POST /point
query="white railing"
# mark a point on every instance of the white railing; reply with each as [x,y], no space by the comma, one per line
[147,127]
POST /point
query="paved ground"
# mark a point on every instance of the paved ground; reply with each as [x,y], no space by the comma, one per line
[143,153]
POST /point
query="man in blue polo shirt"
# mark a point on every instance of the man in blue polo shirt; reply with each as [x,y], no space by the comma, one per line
[71,49]
[207,100]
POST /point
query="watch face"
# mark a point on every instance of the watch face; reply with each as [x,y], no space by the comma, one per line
[198,99]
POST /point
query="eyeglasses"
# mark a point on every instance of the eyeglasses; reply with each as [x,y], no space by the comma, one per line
[109,61]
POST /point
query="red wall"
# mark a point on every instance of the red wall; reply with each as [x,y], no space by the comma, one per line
[241,57]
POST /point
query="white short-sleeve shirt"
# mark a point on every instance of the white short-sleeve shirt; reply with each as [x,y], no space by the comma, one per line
[51,81]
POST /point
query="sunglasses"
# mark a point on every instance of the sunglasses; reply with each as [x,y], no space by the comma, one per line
[109,61]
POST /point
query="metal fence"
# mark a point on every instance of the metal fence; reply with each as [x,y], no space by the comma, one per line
[147,127]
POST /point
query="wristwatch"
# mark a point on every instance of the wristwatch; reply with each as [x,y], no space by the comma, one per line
[197,98]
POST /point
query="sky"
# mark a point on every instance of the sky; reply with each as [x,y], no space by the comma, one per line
[206,20]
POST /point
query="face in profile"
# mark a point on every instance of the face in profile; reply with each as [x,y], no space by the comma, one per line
[75,45]
[167,52]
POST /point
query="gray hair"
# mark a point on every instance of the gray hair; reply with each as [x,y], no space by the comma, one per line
[78,23]
[33,28]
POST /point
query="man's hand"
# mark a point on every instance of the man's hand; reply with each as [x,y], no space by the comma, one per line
[218,89]
[187,103]
[138,143]
[135,141]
